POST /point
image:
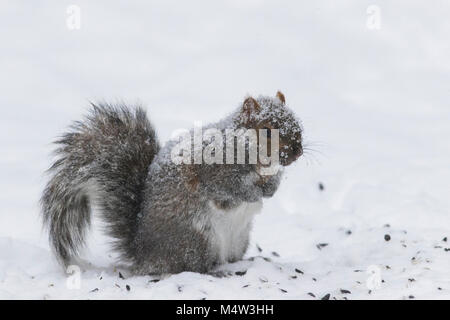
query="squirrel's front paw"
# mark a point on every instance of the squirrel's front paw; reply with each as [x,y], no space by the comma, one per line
[252,195]
[270,186]
[269,192]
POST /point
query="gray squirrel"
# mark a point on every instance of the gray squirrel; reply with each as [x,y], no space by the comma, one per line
[164,217]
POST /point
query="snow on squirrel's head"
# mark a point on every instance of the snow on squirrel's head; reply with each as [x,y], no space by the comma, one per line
[272,113]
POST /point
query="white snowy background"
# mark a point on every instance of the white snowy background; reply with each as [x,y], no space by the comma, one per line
[374,104]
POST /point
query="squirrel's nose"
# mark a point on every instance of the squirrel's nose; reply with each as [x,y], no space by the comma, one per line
[298,151]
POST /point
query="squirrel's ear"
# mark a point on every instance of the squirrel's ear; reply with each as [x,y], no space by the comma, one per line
[281,97]
[250,107]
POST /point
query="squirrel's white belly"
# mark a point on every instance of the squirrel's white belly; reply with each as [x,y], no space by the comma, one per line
[229,229]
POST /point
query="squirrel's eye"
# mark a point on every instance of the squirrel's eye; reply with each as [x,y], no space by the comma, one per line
[269,133]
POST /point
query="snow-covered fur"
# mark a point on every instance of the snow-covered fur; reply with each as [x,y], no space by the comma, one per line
[103,160]
[165,217]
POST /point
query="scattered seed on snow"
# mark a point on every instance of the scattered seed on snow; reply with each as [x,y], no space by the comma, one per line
[128,287]
[240,273]
[299,271]
[258,248]
[274,253]
[311,294]
[326,297]
[343,291]
[387,237]
[321,245]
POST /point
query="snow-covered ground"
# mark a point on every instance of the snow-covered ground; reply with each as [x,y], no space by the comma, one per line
[374,104]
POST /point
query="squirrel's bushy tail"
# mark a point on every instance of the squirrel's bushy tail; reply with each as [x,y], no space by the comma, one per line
[102,161]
